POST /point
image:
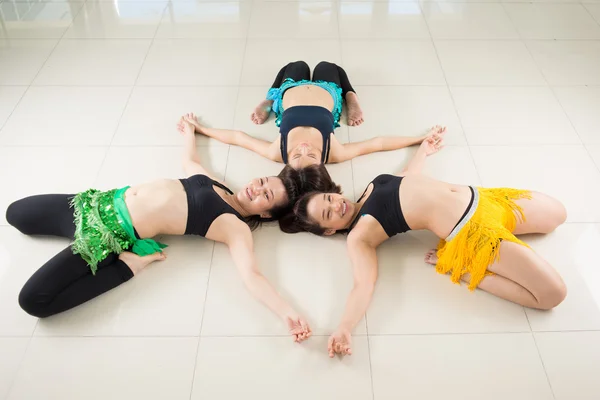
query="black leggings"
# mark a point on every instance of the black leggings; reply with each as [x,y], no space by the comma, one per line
[324,71]
[65,281]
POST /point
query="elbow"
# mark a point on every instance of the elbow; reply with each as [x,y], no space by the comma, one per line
[250,279]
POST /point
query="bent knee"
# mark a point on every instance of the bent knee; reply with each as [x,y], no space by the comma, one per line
[553,295]
[31,303]
[16,215]
[557,216]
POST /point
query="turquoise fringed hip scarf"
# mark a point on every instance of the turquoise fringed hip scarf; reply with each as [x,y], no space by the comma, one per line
[103,226]
[276,94]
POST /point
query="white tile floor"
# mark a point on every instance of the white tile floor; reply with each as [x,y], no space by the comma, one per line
[87,87]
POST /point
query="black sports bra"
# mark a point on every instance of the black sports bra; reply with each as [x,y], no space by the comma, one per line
[313,116]
[204,204]
[383,204]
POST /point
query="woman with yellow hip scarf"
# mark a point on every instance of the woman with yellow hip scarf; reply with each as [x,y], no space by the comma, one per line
[477,228]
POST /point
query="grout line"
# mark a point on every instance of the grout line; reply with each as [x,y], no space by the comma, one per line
[128,98]
[202,321]
[589,12]
[543,365]
[214,243]
[585,146]
[370,361]
[18,369]
[58,40]
[324,335]
[433,42]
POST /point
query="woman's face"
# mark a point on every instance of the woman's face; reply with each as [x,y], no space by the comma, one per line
[331,211]
[261,195]
[304,155]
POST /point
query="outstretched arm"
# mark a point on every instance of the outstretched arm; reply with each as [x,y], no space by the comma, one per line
[190,160]
[431,145]
[241,248]
[343,152]
[266,149]
[364,260]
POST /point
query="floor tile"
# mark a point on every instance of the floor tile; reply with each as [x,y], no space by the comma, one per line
[21,60]
[9,98]
[223,67]
[274,368]
[166,299]
[594,10]
[581,104]
[448,359]
[565,172]
[61,115]
[594,151]
[569,249]
[512,115]
[402,62]
[365,19]
[20,257]
[468,21]
[553,21]
[264,58]
[244,165]
[120,20]
[39,20]
[452,164]
[147,168]
[46,167]
[94,62]
[494,63]
[127,363]
[406,111]
[571,360]
[294,20]
[13,350]
[152,113]
[199,19]
[316,289]
[425,302]
[567,62]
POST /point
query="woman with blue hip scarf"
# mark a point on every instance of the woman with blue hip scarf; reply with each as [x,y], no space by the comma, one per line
[307,112]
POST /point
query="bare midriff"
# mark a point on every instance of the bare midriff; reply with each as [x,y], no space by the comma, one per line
[158,207]
[431,204]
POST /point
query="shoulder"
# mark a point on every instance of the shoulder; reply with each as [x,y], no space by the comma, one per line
[229,228]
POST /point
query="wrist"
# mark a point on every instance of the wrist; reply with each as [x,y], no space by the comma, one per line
[345,326]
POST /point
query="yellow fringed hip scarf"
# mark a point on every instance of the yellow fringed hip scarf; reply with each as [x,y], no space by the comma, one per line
[474,243]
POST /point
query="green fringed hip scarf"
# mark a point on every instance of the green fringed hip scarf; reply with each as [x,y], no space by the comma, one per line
[103,226]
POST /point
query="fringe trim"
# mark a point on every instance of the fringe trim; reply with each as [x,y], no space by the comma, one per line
[476,246]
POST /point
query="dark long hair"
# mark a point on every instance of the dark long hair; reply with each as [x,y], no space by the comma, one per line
[313,178]
[299,221]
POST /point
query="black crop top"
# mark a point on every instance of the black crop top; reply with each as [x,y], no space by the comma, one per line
[383,204]
[204,204]
[314,116]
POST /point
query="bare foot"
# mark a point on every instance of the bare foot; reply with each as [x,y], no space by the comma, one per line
[137,263]
[355,114]
[261,112]
[431,257]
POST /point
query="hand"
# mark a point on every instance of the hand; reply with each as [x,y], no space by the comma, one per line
[298,327]
[192,119]
[434,140]
[340,343]
[185,127]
